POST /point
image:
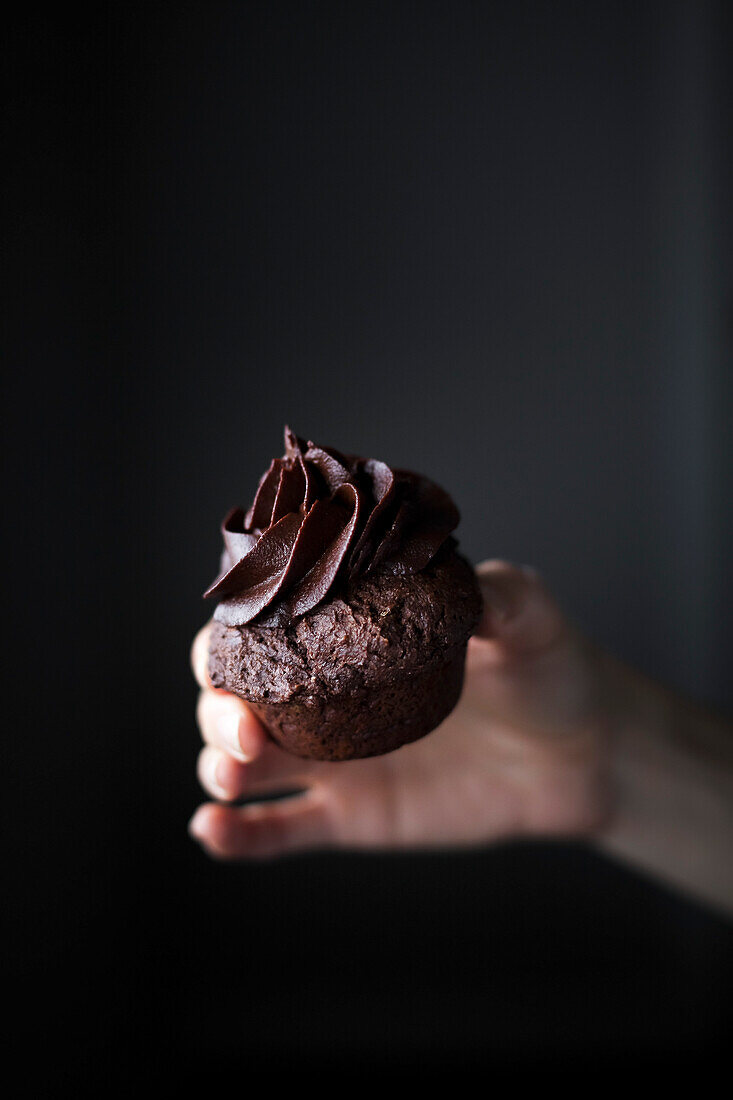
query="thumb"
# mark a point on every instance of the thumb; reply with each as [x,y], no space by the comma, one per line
[519,616]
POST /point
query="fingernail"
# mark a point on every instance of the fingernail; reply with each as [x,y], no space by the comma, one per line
[195,825]
[228,730]
[211,763]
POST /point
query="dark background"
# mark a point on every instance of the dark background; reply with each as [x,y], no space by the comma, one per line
[488,241]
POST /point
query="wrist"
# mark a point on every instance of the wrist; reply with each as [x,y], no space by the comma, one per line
[670,787]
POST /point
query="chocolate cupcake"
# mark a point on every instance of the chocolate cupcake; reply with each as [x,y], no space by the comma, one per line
[344,609]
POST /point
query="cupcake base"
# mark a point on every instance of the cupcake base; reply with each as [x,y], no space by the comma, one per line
[375,722]
[362,674]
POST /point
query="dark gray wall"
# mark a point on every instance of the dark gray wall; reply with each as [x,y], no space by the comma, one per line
[483,240]
[488,241]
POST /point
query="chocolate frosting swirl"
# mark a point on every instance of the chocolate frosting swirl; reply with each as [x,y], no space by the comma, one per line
[320,518]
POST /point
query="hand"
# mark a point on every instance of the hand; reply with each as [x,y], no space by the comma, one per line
[525,752]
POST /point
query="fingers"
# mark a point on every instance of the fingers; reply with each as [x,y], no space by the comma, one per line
[238,758]
[263,830]
[227,779]
[200,656]
[520,616]
[224,720]
[227,722]
[219,774]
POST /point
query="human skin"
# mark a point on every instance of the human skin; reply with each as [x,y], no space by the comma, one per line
[552,737]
